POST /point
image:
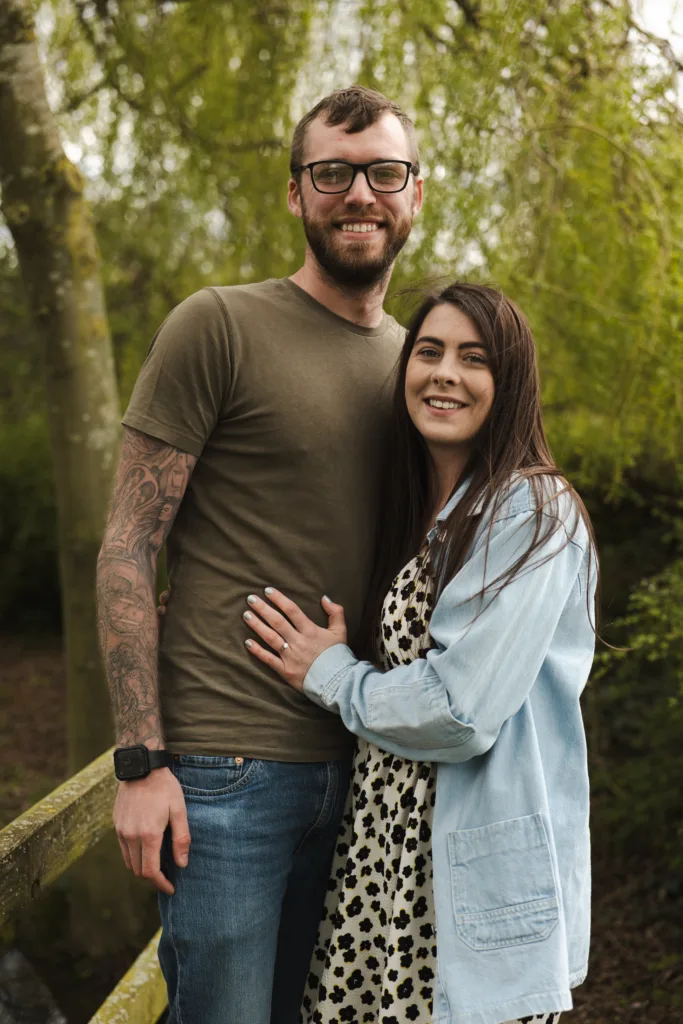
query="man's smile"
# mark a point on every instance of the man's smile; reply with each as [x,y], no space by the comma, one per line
[358,227]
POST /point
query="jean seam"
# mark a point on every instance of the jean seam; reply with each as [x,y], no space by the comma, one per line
[176,1000]
[324,810]
[205,761]
[234,787]
[442,990]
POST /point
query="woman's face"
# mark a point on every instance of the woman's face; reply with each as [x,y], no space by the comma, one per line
[449,386]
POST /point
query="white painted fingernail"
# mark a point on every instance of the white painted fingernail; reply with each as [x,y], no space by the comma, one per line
[252,599]
[247,616]
[248,643]
[269,591]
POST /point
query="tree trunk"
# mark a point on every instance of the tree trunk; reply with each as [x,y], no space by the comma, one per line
[43,204]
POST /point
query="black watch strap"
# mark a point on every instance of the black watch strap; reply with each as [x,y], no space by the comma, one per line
[159,759]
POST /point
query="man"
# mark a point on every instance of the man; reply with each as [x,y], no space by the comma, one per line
[251,445]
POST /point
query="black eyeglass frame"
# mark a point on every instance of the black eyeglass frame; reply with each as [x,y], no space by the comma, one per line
[410,167]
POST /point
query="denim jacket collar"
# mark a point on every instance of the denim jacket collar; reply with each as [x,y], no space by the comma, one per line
[450,505]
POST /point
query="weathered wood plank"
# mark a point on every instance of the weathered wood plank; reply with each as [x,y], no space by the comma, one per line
[140,996]
[43,842]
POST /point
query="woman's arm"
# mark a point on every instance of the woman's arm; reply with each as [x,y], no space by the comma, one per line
[451,705]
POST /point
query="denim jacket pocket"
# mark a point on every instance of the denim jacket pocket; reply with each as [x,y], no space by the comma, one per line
[207,776]
[503,884]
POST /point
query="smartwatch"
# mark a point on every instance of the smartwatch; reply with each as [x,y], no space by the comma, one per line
[137,762]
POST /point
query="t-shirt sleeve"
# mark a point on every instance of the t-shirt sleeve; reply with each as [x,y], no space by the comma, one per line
[184,381]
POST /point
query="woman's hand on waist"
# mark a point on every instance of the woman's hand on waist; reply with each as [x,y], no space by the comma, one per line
[295,640]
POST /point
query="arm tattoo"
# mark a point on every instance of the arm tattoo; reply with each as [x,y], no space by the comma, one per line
[150,483]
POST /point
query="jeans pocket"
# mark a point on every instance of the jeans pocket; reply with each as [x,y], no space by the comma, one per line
[208,776]
[503,884]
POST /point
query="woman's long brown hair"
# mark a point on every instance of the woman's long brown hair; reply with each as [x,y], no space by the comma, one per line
[511,443]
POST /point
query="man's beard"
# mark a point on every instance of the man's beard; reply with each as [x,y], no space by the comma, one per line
[350,267]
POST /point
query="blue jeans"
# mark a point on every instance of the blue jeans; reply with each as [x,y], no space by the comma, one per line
[238,933]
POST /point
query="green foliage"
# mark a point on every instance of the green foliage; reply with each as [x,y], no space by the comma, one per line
[553,143]
[637,698]
[197,104]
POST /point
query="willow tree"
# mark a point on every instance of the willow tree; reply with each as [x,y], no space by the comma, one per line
[191,108]
[550,136]
[551,132]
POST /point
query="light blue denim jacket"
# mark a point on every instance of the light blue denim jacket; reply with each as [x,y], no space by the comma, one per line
[496,704]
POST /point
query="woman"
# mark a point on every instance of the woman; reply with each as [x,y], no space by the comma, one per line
[460,887]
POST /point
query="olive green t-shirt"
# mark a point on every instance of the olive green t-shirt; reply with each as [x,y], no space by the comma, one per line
[286,406]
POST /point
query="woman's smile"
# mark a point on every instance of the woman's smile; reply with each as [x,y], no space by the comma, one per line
[444,406]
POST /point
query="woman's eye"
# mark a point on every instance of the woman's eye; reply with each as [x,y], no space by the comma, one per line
[428,352]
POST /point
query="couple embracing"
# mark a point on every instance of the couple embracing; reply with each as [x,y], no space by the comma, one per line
[372,806]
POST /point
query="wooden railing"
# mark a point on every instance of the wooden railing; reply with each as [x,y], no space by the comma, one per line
[39,845]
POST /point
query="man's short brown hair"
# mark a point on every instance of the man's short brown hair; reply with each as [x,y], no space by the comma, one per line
[357,108]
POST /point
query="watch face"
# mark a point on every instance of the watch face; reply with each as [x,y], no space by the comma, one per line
[132,763]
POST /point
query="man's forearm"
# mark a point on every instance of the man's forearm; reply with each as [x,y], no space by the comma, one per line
[129,642]
[151,480]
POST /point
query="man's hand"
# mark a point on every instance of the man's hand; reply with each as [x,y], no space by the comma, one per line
[142,810]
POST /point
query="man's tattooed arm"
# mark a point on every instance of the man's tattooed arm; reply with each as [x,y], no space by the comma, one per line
[150,484]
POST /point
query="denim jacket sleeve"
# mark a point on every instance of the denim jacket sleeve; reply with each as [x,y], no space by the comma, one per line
[451,705]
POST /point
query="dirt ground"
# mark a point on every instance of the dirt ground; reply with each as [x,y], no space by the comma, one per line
[636,970]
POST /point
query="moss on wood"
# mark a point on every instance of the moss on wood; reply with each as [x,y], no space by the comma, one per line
[37,847]
[140,996]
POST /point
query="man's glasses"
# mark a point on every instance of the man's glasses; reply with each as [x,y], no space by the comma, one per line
[333,176]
